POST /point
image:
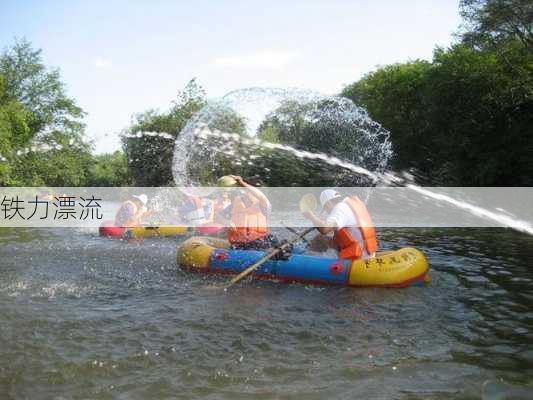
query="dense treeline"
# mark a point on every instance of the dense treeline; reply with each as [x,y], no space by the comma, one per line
[466,118]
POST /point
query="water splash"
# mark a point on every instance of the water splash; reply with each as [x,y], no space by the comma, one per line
[201,142]
[501,218]
[202,133]
[36,148]
[255,103]
[208,141]
[387,178]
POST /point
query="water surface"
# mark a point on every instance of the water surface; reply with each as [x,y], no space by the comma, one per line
[88,317]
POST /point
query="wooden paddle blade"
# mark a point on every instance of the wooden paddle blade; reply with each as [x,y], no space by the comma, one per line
[267,257]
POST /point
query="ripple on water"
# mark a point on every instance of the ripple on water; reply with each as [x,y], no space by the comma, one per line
[104,319]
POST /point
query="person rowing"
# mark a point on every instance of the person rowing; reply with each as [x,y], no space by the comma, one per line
[354,235]
[250,209]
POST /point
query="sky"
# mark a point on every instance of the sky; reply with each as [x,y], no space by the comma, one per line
[118,58]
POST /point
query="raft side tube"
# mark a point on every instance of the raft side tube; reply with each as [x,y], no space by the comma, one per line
[394,269]
[108,229]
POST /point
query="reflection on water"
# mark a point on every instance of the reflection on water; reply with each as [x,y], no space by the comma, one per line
[90,317]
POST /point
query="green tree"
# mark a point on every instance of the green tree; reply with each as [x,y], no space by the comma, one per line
[504,27]
[396,97]
[57,160]
[109,170]
[207,160]
[491,22]
[333,126]
[41,134]
[14,131]
[150,156]
[39,89]
[464,119]
[483,111]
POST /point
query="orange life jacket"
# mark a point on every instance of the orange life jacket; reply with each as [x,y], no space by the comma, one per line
[349,246]
[121,219]
[249,222]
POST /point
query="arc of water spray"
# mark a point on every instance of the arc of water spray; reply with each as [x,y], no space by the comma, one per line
[519,225]
[386,178]
[203,132]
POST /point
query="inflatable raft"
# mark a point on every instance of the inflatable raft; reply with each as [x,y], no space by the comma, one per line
[392,269]
[108,229]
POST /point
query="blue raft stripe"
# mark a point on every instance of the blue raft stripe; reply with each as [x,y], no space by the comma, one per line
[297,267]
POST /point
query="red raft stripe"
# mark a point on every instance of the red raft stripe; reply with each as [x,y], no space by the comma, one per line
[111,230]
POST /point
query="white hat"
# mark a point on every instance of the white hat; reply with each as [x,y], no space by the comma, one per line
[142,198]
[328,195]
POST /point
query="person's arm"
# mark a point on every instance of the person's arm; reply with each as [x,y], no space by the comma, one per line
[319,223]
[255,192]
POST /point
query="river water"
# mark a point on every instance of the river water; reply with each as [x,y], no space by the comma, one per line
[84,317]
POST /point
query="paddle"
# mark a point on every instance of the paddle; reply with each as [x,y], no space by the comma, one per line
[292,230]
[307,203]
[265,258]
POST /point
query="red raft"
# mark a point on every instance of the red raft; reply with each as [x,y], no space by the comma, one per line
[109,229]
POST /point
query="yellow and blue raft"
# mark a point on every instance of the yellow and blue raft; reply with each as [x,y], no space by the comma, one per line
[391,269]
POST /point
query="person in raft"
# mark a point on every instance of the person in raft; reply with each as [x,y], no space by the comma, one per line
[222,209]
[196,211]
[132,211]
[249,212]
[354,235]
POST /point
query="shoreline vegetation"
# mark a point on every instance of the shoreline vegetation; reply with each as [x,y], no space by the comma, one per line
[465,118]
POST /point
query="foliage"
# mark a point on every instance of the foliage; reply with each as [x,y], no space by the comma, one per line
[14,131]
[149,156]
[209,162]
[464,119]
[495,22]
[41,134]
[394,96]
[57,160]
[504,27]
[333,126]
[39,89]
[109,170]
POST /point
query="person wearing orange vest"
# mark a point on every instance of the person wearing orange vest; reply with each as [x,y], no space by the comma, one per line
[354,234]
[250,208]
[131,211]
